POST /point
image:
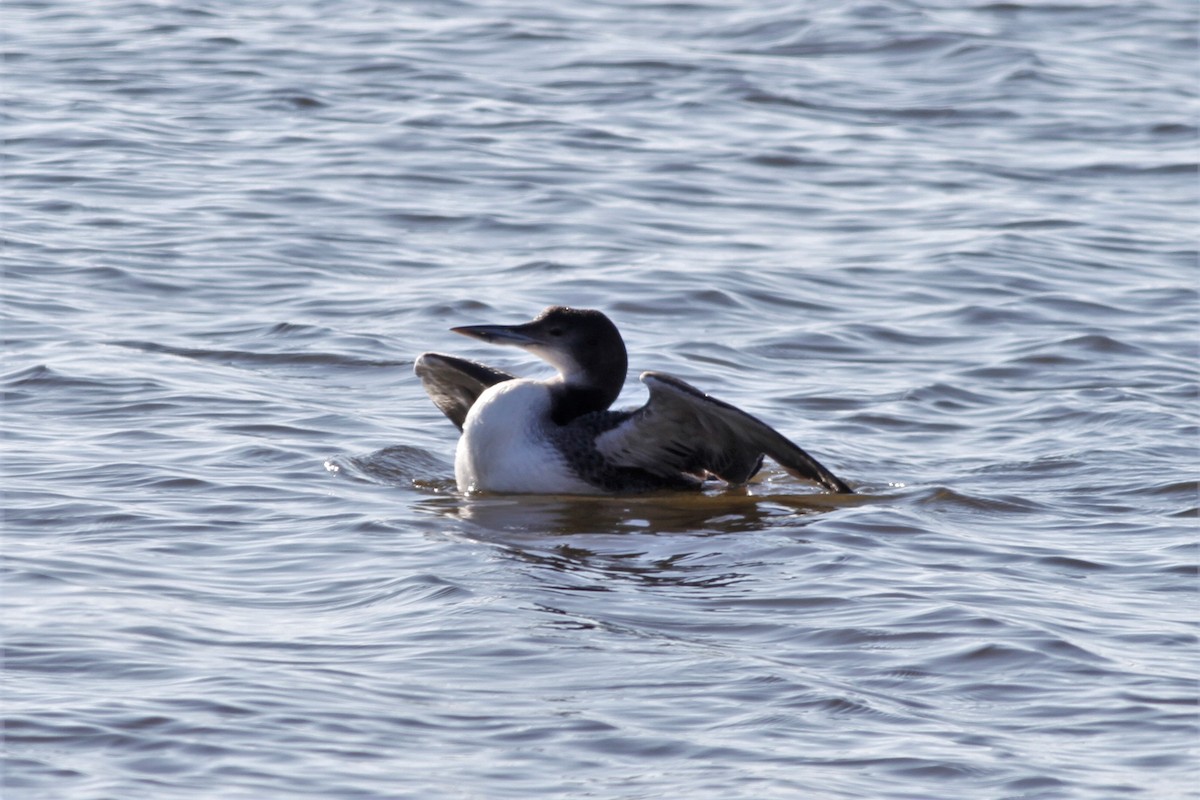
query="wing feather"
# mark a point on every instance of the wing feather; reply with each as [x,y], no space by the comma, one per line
[454,384]
[681,429]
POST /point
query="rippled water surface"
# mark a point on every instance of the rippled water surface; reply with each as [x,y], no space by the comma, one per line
[950,248]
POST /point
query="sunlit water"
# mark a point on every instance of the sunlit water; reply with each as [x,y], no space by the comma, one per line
[950,249]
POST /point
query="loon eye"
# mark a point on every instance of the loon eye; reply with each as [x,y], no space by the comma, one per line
[556,331]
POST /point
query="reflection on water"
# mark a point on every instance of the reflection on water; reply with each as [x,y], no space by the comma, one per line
[716,512]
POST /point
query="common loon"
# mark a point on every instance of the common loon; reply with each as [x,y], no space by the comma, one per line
[558,436]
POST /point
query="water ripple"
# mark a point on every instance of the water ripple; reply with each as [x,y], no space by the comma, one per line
[948,249]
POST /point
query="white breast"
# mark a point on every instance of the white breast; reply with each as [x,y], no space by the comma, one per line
[504,445]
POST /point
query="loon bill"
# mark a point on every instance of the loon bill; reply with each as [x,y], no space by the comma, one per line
[558,436]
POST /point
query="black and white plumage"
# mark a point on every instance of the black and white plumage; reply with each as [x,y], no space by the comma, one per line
[558,436]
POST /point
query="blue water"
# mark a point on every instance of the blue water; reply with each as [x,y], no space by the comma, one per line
[948,248]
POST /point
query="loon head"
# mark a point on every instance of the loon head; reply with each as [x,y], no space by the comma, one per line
[583,345]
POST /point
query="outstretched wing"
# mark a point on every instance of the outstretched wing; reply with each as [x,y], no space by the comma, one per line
[681,429]
[454,384]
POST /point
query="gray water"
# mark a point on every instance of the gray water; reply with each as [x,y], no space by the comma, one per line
[949,248]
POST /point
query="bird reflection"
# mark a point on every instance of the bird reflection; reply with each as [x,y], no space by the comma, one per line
[728,511]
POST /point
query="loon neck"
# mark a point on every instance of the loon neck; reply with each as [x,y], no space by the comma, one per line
[589,378]
[572,400]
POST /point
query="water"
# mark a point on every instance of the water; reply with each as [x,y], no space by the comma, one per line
[949,248]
